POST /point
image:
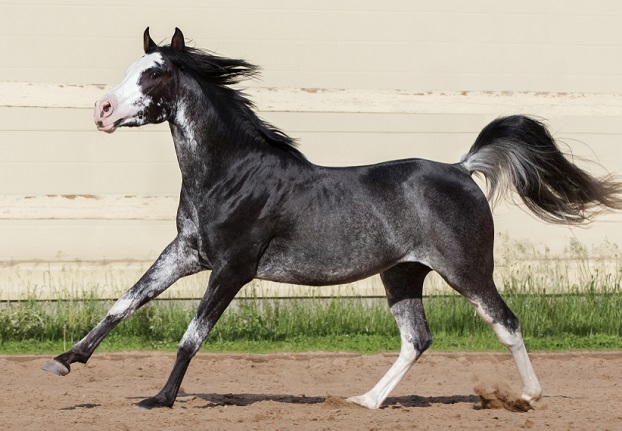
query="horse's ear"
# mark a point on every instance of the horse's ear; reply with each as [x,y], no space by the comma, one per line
[148,43]
[178,43]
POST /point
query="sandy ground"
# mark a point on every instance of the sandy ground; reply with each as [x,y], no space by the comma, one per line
[582,391]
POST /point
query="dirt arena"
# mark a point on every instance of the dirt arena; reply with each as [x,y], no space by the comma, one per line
[305,391]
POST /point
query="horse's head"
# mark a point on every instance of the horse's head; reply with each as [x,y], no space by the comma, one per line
[146,95]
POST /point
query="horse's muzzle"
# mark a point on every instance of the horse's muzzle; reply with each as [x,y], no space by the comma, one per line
[103,114]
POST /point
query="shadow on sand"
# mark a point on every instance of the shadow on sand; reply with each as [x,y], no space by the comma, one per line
[241,400]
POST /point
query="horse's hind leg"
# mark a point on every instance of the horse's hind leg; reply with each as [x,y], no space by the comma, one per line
[404,285]
[472,278]
[495,312]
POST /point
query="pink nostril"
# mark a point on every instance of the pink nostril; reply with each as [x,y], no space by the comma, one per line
[105,109]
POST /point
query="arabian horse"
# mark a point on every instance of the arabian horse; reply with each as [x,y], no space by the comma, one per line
[252,206]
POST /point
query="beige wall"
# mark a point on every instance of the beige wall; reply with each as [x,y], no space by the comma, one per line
[556,45]
[572,47]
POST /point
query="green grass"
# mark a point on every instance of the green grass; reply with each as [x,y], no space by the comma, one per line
[587,320]
[573,303]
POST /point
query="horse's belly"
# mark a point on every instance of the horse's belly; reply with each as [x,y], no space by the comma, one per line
[317,267]
[312,276]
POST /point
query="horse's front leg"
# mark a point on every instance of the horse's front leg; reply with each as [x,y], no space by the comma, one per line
[176,261]
[222,288]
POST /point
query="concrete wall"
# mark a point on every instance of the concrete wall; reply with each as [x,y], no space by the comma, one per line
[528,57]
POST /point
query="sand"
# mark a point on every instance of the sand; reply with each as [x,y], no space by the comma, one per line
[306,391]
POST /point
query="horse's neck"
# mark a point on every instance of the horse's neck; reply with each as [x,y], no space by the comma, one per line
[211,145]
[188,150]
[203,142]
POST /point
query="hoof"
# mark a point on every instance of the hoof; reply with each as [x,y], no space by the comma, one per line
[139,407]
[363,401]
[529,401]
[151,403]
[55,367]
[532,396]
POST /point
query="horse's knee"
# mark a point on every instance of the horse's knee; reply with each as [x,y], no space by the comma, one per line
[414,346]
[410,318]
[423,342]
[503,322]
[508,331]
[188,347]
[192,340]
[510,338]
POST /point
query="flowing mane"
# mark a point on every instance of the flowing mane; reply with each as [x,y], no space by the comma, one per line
[209,69]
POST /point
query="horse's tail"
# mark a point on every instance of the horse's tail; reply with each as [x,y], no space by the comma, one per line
[520,152]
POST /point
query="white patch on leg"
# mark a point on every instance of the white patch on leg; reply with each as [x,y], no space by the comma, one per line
[374,398]
[194,336]
[191,336]
[120,307]
[532,391]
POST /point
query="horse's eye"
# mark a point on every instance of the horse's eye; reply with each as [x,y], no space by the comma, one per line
[155,75]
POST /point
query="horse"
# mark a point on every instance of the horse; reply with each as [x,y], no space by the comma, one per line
[252,206]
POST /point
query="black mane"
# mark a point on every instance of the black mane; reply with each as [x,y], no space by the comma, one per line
[209,70]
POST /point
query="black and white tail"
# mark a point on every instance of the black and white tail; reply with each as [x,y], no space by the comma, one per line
[520,152]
